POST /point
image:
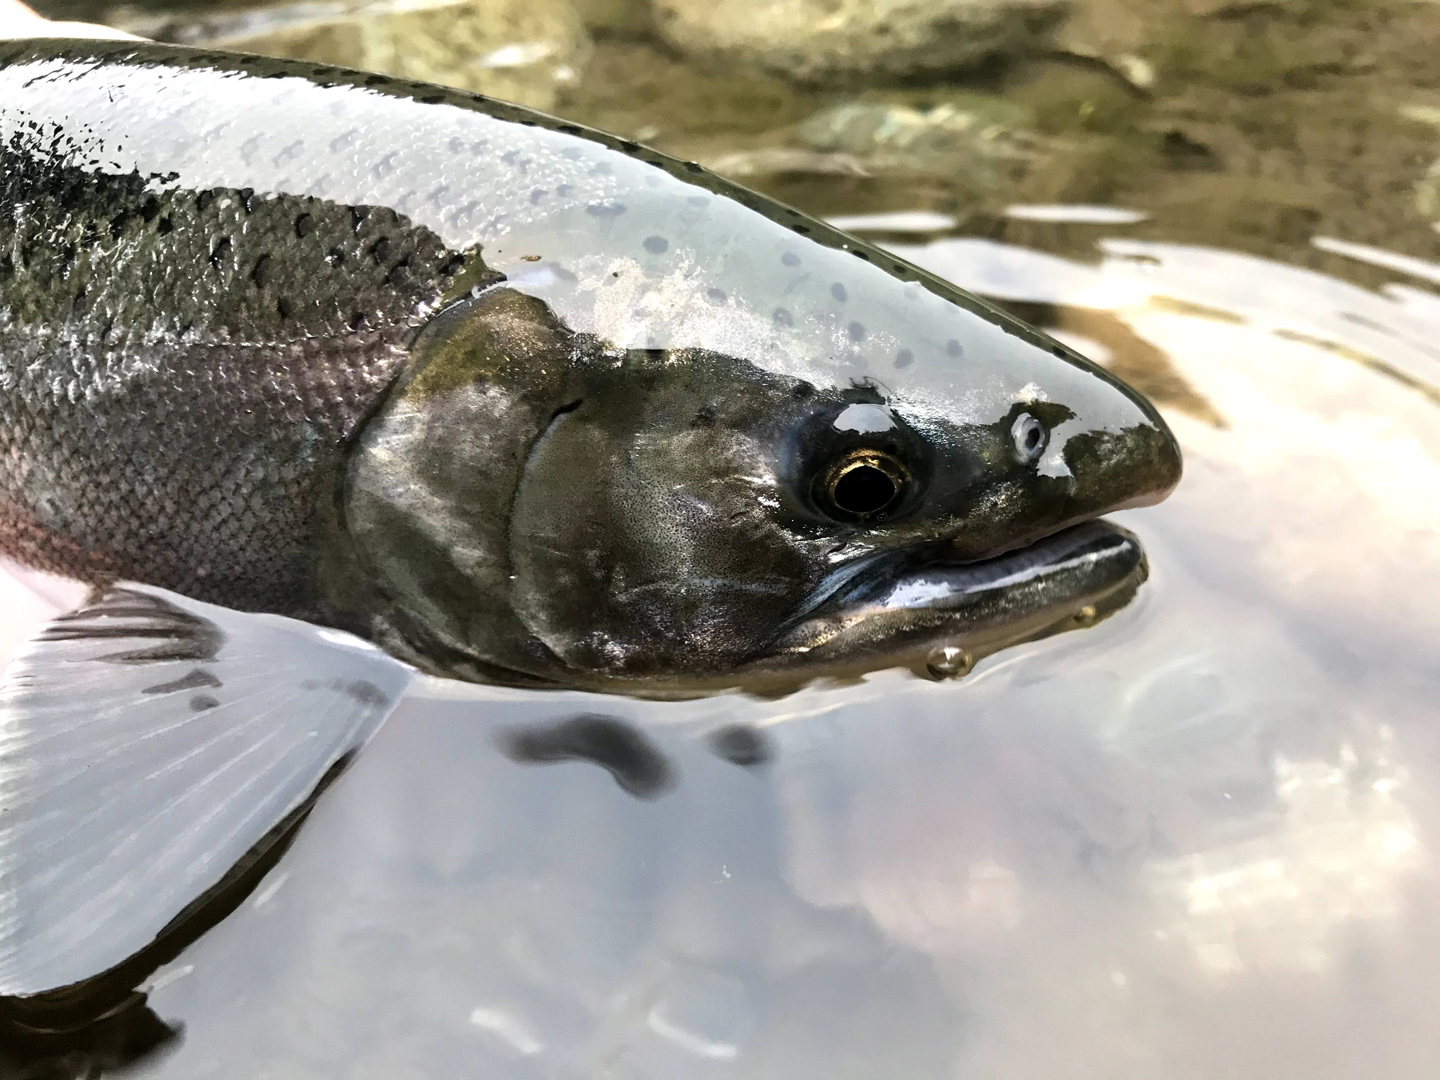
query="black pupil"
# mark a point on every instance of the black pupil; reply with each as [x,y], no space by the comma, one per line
[1032,437]
[864,490]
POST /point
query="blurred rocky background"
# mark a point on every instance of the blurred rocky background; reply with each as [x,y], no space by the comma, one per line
[1255,124]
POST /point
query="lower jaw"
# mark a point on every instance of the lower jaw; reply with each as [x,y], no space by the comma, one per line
[1096,571]
[935,640]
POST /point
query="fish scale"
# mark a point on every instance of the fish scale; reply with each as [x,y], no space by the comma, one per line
[150,370]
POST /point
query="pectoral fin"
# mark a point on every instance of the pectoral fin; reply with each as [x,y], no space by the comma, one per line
[149,744]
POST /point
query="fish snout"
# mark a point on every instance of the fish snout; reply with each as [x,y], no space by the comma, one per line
[1122,455]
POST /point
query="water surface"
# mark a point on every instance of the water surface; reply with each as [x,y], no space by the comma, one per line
[1197,840]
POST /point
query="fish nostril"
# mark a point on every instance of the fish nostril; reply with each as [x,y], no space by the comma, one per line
[1030,437]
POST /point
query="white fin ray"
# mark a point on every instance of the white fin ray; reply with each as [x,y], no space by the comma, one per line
[148,742]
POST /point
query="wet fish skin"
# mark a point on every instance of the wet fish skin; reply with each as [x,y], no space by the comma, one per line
[255,347]
[183,368]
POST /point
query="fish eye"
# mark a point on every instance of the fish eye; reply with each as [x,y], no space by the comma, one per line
[1030,437]
[862,484]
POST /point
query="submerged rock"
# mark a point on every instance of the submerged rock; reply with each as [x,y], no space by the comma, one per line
[1427,195]
[519,50]
[840,40]
[777,160]
[1116,33]
[977,141]
[622,18]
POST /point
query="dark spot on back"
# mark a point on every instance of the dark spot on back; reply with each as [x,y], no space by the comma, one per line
[904,358]
[282,307]
[953,347]
[149,208]
[838,292]
[742,744]
[194,681]
[856,331]
[303,224]
[203,702]
[203,200]
[802,391]
[362,691]
[790,259]
[381,250]
[375,80]
[221,252]
[164,226]
[336,257]
[705,416]
[613,744]
[656,244]
[783,317]
[715,295]
[605,209]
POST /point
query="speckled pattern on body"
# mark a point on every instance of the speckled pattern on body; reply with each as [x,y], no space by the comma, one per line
[181,369]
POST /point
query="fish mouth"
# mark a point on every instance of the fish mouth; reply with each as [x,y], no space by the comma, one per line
[913,608]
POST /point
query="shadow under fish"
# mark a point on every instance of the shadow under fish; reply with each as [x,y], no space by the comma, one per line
[525,404]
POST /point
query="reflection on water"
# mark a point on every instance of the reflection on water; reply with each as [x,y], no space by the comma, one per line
[40,1047]
[1197,840]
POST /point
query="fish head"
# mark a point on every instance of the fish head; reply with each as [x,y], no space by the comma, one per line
[695,514]
[548,501]
[701,440]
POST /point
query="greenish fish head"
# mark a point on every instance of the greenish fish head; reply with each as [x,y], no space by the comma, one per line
[543,502]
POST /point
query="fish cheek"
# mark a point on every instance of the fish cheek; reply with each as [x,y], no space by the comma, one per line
[639,550]
[433,473]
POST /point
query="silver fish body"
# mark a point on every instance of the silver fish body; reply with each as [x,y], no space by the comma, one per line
[605,391]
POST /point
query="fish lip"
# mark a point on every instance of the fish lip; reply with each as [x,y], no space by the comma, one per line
[906,601]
